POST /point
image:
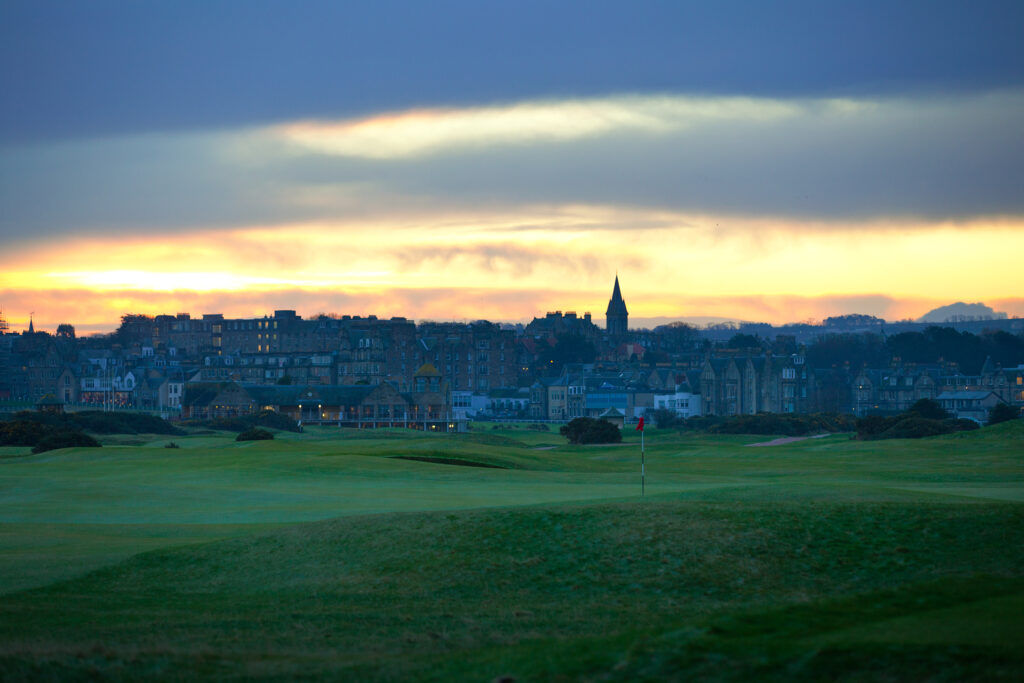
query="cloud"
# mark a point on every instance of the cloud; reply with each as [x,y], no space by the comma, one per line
[72,69]
[418,133]
[514,260]
[837,162]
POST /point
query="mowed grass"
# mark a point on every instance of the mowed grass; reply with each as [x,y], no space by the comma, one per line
[328,554]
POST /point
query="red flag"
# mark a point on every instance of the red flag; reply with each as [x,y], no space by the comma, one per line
[640,425]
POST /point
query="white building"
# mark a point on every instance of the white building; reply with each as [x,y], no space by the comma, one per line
[682,403]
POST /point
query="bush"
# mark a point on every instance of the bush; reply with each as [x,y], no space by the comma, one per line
[1002,412]
[171,444]
[665,419]
[274,420]
[584,430]
[242,423]
[254,434]
[873,426]
[963,425]
[65,440]
[787,424]
[913,427]
[701,423]
[21,433]
[929,409]
[100,422]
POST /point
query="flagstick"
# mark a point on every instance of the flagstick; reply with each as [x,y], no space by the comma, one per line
[642,472]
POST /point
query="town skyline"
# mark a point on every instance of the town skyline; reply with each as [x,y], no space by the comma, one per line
[958,311]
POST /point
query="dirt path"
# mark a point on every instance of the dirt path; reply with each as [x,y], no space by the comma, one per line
[787,439]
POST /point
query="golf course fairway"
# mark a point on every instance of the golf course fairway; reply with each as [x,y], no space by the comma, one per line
[504,553]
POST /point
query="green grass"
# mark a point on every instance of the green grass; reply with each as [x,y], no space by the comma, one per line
[328,554]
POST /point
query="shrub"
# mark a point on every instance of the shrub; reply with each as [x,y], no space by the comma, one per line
[1001,412]
[928,409]
[872,426]
[584,430]
[65,440]
[100,422]
[913,427]
[264,418]
[21,433]
[665,418]
[254,434]
[787,424]
[702,423]
[275,420]
[963,425]
[171,444]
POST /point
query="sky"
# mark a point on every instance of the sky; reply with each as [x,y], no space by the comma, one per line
[776,162]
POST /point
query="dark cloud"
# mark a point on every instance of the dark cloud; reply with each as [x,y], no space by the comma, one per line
[922,158]
[70,69]
[936,159]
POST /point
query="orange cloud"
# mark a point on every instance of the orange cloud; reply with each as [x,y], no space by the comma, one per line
[513,265]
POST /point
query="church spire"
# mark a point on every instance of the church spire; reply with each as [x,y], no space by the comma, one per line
[31,328]
[617,317]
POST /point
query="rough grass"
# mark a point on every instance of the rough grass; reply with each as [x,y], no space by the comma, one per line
[828,559]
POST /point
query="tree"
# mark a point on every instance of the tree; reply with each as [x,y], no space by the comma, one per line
[568,348]
[583,430]
[665,418]
[744,341]
[1001,412]
[852,320]
[677,336]
[856,349]
[929,409]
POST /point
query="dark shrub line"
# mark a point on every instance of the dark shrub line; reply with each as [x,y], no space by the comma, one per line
[254,434]
[264,418]
[583,430]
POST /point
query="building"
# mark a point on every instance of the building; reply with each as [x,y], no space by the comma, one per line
[428,407]
[734,385]
[616,316]
[973,405]
[684,404]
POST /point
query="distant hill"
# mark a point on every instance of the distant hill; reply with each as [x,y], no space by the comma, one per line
[961,311]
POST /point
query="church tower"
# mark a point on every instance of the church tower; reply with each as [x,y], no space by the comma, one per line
[617,317]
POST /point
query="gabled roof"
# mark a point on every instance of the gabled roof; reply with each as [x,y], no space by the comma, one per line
[427,370]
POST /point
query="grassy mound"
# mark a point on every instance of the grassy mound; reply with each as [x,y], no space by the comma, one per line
[619,591]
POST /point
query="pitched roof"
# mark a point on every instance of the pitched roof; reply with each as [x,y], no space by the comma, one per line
[964,395]
[616,306]
[427,370]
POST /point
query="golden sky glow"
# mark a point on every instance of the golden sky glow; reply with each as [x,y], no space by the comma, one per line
[684,265]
